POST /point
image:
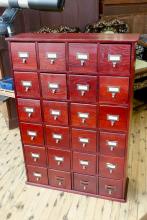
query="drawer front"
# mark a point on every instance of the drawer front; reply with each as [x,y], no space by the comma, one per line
[52,56]
[83,58]
[55,113]
[85,183]
[37,175]
[113,89]
[113,144]
[35,156]
[57,137]
[27,84]
[29,110]
[111,167]
[83,115]
[32,134]
[85,141]
[114,118]
[59,159]
[53,86]
[84,163]
[59,179]
[23,56]
[83,88]
[111,188]
[114,59]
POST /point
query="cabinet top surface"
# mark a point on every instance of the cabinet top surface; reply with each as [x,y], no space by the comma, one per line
[75,37]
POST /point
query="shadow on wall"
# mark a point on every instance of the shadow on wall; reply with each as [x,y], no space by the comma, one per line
[144,217]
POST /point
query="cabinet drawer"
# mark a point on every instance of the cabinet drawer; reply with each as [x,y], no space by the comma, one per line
[111,188]
[83,115]
[24,56]
[83,140]
[83,88]
[53,86]
[27,84]
[59,159]
[85,183]
[29,110]
[83,58]
[37,175]
[111,167]
[35,156]
[59,179]
[32,134]
[114,118]
[84,163]
[113,89]
[55,113]
[112,144]
[114,59]
[57,136]
[52,56]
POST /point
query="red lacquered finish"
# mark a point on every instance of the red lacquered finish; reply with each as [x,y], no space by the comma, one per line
[59,159]
[113,144]
[111,188]
[32,134]
[85,183]
[114,59]
[57,136]
[113,90]
[59,179]
[24,56]
[35,156]
[84,141]
[83,58]
[83,88]
[83,115]
[113,118]
[111,167]
[84,163]
[55,113]
[29,110]
[53,86]
[27,84]
[37,175]
[52,56]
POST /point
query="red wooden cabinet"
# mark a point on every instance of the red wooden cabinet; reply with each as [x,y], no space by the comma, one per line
[74,94]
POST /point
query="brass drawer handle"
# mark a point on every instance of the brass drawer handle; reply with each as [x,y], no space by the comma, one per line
[113,90]
[32,134]
[27,85]
[35,156]
[84,141]
[84,164]
[57,137]
[84,184]
[83,57]
[29,111]
[55,114]
[110,189]
[113,119]
[82,88]
[37,176]
[112,144]
[53,87]
[111,167]
[114,59]
[59,160]
[83,116]
[60,180]
[24,56]
[52,57]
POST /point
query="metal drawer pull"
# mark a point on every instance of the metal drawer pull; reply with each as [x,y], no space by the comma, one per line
[29,111]
[83,89]
[113,119]
[84,184]
[113,90]
[60,180]
[37,175]
[52,57]
[24,56]
[26,84]
[112,144]
[83,116]
[84,141]
[55,114]
[110,189]
[59,160]
[84,164]
[57,137]
[53,87]
[32,134]
[111,167]
[83,57]
[35,156]
[114,59]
